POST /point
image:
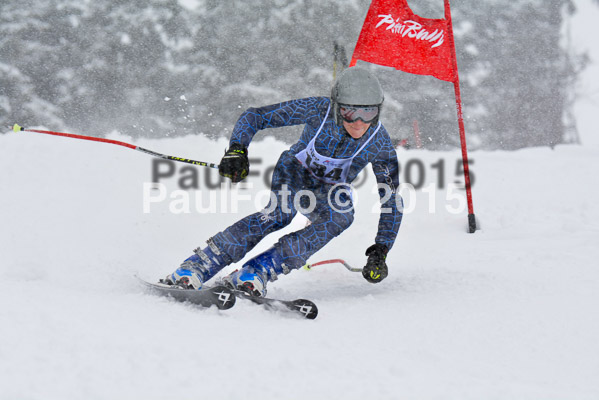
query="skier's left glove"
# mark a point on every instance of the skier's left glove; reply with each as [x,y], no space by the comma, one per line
[235,163]
[376,268]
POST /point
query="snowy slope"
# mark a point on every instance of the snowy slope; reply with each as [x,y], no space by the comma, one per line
[508,312]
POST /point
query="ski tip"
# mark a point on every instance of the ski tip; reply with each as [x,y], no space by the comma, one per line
[17,128]
[306,308]
[223,296]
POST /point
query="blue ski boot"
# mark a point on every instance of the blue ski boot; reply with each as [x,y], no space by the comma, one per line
[254,274]
[199,268]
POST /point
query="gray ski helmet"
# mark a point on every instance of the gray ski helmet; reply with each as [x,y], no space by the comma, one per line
[357,87]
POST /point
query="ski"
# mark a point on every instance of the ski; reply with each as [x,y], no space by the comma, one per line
[219,296]
[302,307]
[224,298]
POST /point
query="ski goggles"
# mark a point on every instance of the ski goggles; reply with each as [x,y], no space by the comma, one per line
[354,113]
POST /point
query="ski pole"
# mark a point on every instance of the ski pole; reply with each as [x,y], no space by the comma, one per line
[333,261]
[17,128]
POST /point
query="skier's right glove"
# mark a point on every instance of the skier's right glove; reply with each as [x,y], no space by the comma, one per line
[376,268]
[235,163]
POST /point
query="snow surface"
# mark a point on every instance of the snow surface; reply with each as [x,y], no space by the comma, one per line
[509,312]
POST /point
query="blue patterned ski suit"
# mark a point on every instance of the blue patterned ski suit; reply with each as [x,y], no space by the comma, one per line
[332,209]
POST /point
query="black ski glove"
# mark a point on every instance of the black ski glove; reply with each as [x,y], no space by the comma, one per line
[376,268]
[235,163]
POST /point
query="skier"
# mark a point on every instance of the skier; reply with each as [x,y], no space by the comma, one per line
[341,135]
